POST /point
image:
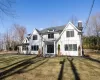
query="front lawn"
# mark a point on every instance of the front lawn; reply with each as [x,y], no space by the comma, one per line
[30,67]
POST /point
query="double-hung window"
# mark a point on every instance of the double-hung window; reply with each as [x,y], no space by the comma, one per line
[23,47]
[51,35]
[70,33]
[34,37]
[70,47]
[34,48]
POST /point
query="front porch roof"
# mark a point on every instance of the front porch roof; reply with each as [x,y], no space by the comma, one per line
[23,44]
[49,40]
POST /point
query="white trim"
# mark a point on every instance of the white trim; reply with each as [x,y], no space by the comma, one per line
[25,40]
[67,26]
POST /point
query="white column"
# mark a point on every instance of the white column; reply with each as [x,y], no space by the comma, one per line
[81,43]
[44,48]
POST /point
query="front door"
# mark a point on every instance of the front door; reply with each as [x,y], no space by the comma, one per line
[50,48]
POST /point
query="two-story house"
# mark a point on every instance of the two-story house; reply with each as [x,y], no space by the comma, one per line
[46,41]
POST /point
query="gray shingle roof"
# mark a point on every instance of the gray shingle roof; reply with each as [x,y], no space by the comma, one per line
[28,36]
[56,29]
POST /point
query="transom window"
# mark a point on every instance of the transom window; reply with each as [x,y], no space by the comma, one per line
[70,34]
[70,47]
[34,37]
[35,48]
[51,35]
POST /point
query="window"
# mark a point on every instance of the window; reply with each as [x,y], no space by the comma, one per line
[66,47]
[24,47]
[74,47]
[35,48]
[51,35]
[51,30]
[70,34]
[70,47]
[34,37]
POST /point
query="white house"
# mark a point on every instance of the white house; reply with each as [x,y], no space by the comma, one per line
[46,41]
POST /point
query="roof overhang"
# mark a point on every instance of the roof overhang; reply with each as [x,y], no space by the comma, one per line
[23,44]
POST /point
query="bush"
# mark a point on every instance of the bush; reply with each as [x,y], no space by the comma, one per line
[91,42]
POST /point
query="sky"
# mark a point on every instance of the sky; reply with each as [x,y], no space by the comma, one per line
[41,14]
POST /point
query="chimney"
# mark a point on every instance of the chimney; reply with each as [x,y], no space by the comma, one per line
[80,25]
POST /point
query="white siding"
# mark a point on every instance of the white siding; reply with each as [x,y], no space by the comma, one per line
[25,40]
[56,35]
[35,42]
[68,40]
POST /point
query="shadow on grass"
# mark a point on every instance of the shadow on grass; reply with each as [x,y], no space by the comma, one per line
[61,70]
[19,67]
[36,66]
[91,59]
[18,62]
[73,68]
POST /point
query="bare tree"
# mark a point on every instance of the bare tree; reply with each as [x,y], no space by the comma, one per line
[6,7]
[7,39]
[13,36]
[19,32]
[93,27]
[73,19]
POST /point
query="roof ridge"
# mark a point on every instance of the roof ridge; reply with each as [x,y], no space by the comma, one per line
[53,27]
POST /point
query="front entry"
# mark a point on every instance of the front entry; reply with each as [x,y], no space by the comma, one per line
[50,48]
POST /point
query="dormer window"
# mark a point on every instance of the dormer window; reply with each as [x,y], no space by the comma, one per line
[51,30]
[51,35]
[34,37]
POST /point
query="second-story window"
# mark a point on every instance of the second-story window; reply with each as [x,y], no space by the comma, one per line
[51,35]
[34,37]
[70,34]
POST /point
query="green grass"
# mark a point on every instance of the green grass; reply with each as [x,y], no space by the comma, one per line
[30,67]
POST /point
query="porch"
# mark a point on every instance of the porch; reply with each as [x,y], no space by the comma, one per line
[23,48]
[49,48]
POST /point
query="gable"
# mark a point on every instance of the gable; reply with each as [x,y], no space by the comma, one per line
[35,32]
[69,26]
[24,41]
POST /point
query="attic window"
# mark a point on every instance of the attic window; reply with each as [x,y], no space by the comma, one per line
[51,30]
[70,33]
[34,37]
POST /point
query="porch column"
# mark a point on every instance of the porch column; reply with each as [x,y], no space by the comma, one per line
[54,47]
[44,48]
[81,44]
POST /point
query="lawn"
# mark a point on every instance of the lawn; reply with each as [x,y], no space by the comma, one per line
[30,67]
